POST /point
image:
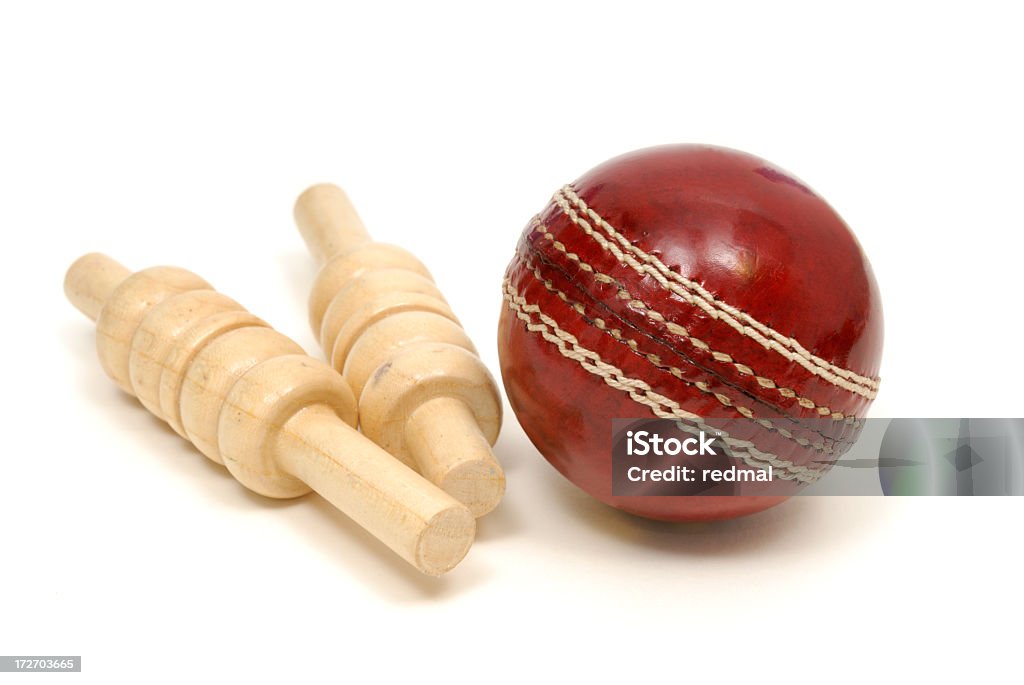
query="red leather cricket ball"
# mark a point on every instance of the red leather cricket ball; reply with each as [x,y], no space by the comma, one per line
[690,280]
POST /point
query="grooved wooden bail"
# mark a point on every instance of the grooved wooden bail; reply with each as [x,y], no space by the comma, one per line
[250,399]
[424,395]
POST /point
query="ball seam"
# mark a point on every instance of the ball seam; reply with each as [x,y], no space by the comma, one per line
[677,373]
[691,292]
[681,331]
[642,393]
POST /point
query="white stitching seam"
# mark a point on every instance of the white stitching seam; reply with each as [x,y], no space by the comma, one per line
[676,329]
[655,360]
[642,393]
[693,293]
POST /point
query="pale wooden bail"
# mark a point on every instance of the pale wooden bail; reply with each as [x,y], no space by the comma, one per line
[249,398]
[424,395]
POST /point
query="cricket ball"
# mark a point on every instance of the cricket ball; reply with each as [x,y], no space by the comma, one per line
[689,281]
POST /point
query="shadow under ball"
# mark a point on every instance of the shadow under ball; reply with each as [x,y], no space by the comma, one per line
[683,281]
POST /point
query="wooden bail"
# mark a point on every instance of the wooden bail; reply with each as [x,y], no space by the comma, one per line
[250,399]
[424,395]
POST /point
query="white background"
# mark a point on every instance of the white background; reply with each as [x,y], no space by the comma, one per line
[182,137]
